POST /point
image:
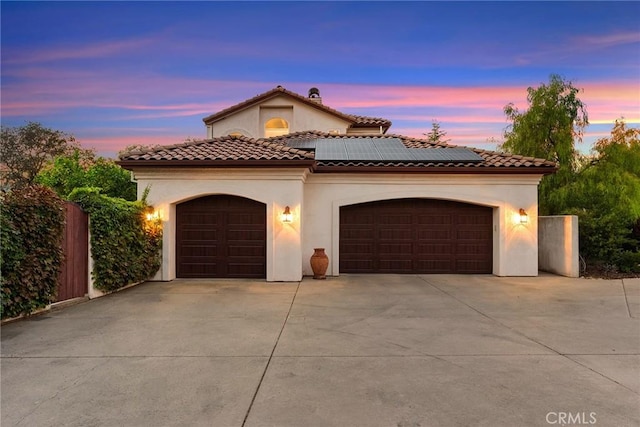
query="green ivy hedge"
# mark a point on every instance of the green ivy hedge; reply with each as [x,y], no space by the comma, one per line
[31,226]
[125,246]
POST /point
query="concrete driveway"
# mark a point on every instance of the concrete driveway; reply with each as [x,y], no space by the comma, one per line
[368,351]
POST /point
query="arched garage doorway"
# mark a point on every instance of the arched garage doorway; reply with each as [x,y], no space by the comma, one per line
[416,236]
[221,236]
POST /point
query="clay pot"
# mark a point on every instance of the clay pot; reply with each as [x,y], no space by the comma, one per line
[319,263]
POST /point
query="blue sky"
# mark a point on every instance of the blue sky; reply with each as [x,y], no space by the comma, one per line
[121,73]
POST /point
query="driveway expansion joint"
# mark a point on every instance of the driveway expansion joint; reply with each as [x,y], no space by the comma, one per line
[558,353]
[626,299]
[273,350]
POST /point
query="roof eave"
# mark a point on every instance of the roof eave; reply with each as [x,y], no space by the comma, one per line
[131,164]
[529,170]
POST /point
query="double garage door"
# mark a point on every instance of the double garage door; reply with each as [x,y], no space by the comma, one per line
[225,236]
[416,236]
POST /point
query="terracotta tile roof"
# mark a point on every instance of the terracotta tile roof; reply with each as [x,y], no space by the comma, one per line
[357,121]
[229,149]
[370,121]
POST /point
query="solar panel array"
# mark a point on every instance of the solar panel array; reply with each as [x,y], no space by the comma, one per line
[387,149]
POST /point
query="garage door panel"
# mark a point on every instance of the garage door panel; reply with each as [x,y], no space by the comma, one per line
[416,236]
[471,267]
[396,219]
[434,234]
[358,266]
[432,219]
[434,266]
[244,250]
[245,219]
[201,250]
[357,219]
[396,234]
[200,269]
[356,248]
[400,249]
[200,219]
[359,233]
[475,235]
[199,235]
[244,270]
[245,235]
[395,266]
[221,236]
[429,249]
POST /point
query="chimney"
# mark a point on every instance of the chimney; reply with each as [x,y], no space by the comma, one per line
[314,95]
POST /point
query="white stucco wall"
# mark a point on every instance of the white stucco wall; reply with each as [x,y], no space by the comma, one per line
[315,200]
[559,245]
[275,188]
[515,245]
[250,121]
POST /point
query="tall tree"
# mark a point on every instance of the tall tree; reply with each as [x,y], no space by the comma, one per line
[70,171]
[605,194]
[436,134]
[26,149]
[549,129]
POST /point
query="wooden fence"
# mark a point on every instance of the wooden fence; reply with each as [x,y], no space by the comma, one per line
[74,274]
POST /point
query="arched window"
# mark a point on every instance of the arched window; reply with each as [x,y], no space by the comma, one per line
[276,127]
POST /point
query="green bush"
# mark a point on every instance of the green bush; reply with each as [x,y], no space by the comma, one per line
[125,246]
[605,195]
[628,262]
[82,169]
[32,224]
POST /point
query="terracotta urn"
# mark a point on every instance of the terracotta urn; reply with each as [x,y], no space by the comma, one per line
[319,263]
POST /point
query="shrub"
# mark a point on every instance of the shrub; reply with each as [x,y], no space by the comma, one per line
[83,169]
[124,246]
[32,223]
[628,262]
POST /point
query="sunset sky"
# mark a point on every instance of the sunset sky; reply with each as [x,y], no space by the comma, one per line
[120,73]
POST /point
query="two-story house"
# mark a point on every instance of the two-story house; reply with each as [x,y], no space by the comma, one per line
[377,202]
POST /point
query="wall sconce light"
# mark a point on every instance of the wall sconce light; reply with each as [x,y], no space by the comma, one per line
[153,216]
[287,216]
[524,218]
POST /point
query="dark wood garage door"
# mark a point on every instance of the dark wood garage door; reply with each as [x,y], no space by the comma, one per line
[416,236]
[221,236]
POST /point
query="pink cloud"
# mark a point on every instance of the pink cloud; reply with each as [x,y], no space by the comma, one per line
[608,40]
[358,96]
[54,91]
[77,51]
[138,98]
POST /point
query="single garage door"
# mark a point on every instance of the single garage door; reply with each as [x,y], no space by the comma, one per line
[221,236]
[416,236]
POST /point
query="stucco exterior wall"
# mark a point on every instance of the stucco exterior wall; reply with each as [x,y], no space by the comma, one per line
[250,122]
[559,245]
[275,188]
[315,201]
[515,245]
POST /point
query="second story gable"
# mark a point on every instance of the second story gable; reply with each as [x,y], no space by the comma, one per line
[281,112]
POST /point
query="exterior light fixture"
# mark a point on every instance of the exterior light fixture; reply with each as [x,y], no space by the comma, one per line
[287,216]
[524,218]
[153,216]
